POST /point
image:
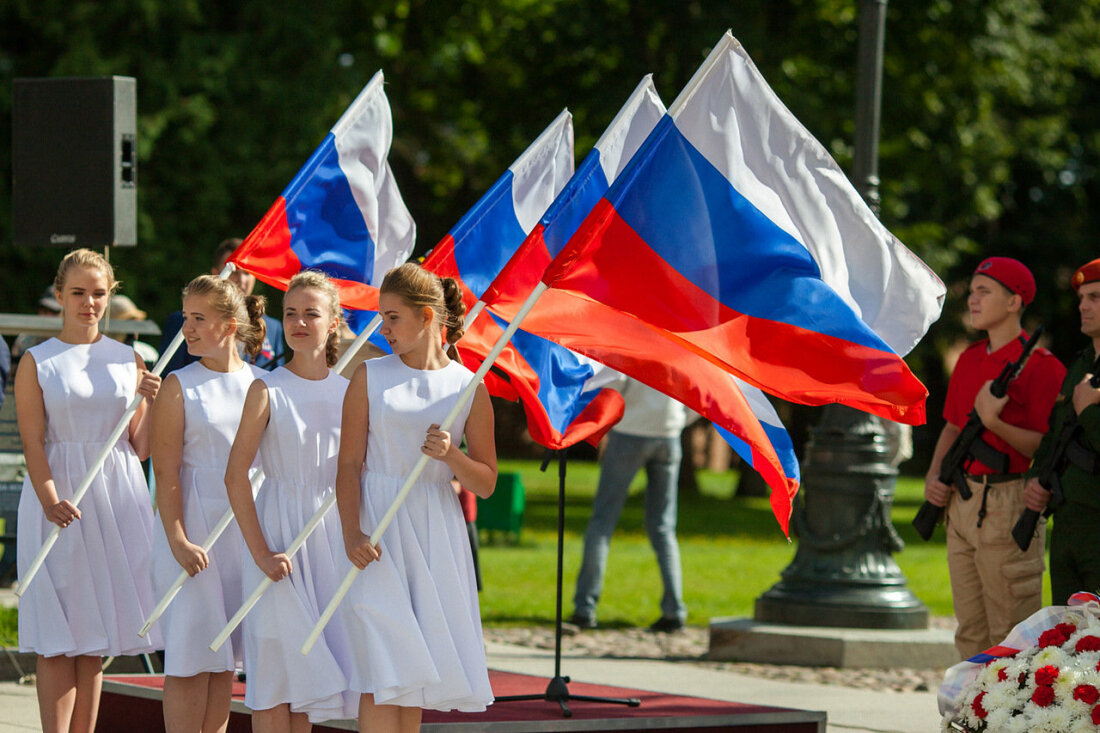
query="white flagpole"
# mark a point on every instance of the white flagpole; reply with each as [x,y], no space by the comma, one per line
[313,522]
[264,584]
[215,533]
[422,463]
[55,531]
[357,344]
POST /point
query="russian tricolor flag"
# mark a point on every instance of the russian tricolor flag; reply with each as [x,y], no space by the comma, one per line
[342,213]
[741,412]
[555,386]
[735,238]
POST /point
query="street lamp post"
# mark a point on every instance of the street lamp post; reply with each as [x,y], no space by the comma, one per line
[843,573]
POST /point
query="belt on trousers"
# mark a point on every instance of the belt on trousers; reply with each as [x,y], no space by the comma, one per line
[994,478]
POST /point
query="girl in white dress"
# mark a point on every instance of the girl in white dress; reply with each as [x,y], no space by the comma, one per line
[91,596]
[292,417]
[195,418]
[412,615]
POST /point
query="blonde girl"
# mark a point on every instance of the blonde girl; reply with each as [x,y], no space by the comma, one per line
[414,608]
[92,594]
[195,417]
[291,416]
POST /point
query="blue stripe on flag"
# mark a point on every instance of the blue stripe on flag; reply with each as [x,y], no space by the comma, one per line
[488,235]
[327,230]
[690,215]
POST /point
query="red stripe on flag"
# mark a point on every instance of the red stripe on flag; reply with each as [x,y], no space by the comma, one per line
[635,348]
[788,361]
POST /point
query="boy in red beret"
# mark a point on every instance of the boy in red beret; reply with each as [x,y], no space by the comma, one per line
[994,585]
[1074,541]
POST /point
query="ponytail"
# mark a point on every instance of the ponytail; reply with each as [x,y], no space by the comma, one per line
[253,333]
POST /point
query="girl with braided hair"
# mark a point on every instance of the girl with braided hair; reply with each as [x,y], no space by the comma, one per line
[413,611]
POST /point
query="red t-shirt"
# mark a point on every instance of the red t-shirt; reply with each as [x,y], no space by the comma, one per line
[1031,394]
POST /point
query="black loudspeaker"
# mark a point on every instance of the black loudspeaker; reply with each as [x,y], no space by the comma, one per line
[74,162]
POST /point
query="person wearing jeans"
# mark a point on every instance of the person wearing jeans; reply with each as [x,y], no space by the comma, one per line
[647,436]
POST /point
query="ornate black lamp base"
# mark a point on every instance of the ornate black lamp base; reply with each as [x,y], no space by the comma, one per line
[798,604]
[843,573]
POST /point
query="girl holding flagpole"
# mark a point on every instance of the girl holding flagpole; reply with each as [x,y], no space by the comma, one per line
[92,593]
[195,417]
[291,416]
[414,608]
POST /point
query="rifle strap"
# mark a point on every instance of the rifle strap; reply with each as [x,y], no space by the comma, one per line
[982,451]
[1084,458]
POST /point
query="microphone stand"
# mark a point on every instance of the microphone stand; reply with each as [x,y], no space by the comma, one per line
[558,688]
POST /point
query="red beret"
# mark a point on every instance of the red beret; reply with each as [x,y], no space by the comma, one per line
[1011,273]
[1086,274]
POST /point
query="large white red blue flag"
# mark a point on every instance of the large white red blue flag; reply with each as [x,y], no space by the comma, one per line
[342,213]
[741,412]
[734,234]
[732,240]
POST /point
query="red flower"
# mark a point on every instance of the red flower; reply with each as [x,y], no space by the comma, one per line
[1088,644]
[1046,675]
[1086,694]
[1096,715]
[1001,675]
[1052,637]
[976,706]
[1043,696]
[1057,636]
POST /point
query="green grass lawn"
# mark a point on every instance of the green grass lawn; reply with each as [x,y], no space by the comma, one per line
[9,627]
[732,551]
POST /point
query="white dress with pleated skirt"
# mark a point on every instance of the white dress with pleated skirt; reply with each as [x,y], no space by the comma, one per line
[93,593]
[413,617]
[298,455]
[212,403]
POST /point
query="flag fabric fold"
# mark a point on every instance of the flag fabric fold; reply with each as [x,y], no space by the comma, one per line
[733,236]
[555,387]
[342,213]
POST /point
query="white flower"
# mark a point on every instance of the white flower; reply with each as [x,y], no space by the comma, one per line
[998,718]
[1050,655]
[1063,686]
[1057,719]
[1000,697]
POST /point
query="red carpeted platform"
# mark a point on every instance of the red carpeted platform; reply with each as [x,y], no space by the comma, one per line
[133,703]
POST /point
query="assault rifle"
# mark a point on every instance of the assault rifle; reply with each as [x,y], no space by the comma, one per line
[969,444]
[1050,474]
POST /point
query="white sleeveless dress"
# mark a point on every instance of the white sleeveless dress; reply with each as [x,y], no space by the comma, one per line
[298,454]
[212,403]
[93,593]
[413,616]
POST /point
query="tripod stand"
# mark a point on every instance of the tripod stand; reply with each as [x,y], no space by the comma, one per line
[558,688]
